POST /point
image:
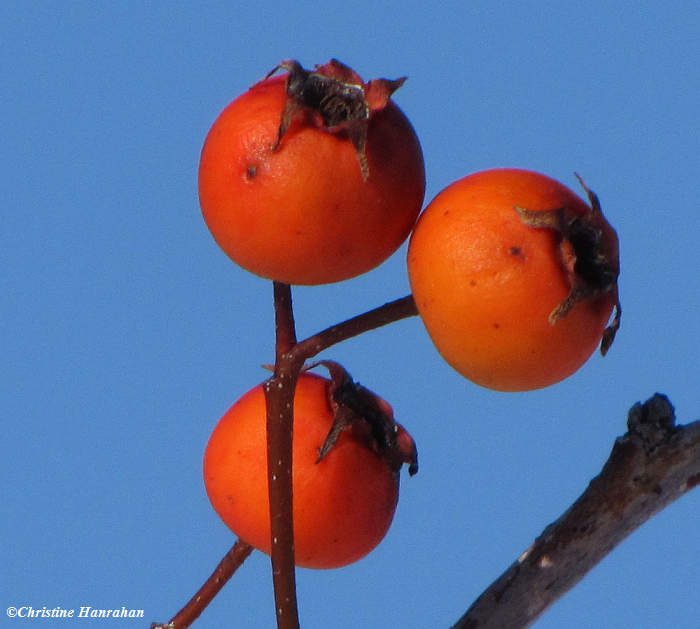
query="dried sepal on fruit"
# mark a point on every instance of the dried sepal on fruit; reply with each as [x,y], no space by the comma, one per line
[337,98]
[592,266]
[343,503]
[515,300]
[279,183]
[369,417]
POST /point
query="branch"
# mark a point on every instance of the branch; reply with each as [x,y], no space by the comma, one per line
[376,318]
[279,395]
[285,330]
[650,467]
[279,398]
[223,572]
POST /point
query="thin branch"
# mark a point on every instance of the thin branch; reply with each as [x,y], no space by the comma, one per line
[285,330]
[279,399]
[378,317]
[650,467]
[279,396]
[224,571]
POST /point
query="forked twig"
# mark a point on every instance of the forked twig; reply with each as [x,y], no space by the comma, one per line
[279,394]
[290,357]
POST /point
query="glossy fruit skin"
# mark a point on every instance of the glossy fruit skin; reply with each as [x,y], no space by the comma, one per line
[301,213]
[343,505]
[485,283]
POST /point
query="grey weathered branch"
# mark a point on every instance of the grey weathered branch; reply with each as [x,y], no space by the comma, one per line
[650,467]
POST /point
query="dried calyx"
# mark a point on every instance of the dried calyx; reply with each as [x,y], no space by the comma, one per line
[592,271]
[368,417]
[337,98]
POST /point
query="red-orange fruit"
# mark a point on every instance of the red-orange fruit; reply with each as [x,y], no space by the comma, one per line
[343,504]
[308,192]
[515,278]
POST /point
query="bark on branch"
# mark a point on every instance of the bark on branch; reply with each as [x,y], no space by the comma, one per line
[650,467]
[222,573]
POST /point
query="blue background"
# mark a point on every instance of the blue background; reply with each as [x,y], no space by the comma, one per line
[126,332]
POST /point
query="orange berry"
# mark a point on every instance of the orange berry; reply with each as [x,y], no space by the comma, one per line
[294,191]
[515,278]
[343,504]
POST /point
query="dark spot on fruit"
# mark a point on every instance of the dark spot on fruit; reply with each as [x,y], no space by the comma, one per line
[496,326]
[472,282]
[517,252]
[251,172]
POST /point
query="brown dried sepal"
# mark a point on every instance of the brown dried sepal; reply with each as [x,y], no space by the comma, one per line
[591,271]
[357,409]
[337,99]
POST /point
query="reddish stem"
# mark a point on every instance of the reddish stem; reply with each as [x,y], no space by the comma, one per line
[279,396]
[224,571]
[376,318]
[285,331]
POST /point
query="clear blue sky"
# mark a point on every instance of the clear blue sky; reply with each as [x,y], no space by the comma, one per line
[126,333]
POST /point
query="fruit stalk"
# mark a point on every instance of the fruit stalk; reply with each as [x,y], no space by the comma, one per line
[290,357]
[279,395]
[279,398]
[231,561]
[382,315]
